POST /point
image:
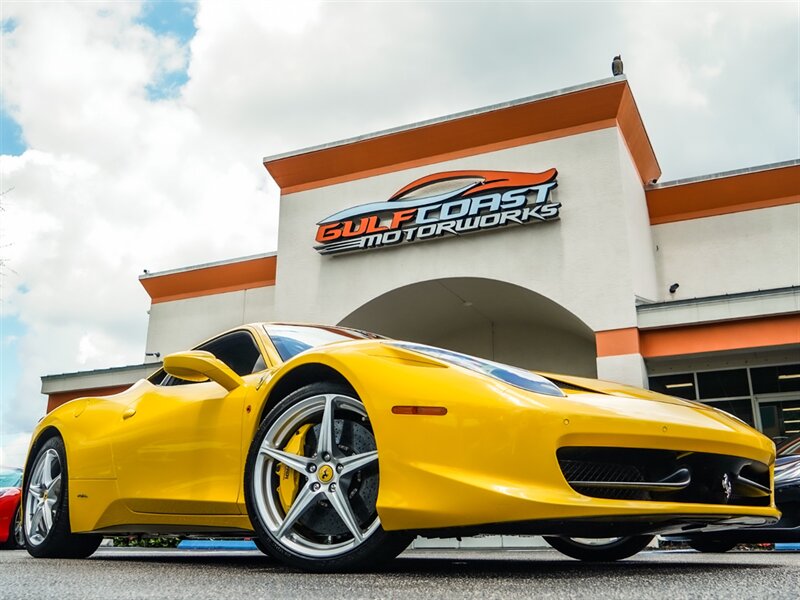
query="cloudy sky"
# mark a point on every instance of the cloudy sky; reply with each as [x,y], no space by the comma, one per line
[133,132]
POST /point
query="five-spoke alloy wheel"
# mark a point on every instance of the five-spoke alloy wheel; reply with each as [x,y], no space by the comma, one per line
[44,493]
[311,483]
[45,522]
[19,528]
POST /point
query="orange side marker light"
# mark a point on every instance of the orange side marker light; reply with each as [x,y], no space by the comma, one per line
[434,411]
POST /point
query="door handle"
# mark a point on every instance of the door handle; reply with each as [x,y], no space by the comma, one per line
[128,413]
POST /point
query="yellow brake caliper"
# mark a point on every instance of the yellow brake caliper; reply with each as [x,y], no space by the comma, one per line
[289,478]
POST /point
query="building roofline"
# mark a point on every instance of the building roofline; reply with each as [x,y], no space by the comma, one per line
[722,174]
[446,118]
[788,290]
[208,265]
[603,104]
[752,188]
[234,275]
[105,371]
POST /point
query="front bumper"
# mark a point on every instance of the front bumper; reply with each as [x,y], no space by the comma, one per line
[492,459]
[8,506]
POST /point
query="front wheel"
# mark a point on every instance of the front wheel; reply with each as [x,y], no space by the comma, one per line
[311,483]
[262,547]
[15,539]
[600,549]
[19,532]
[45,501]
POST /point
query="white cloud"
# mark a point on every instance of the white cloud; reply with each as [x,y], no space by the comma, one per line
[13,449]
[115,182]
[112,183]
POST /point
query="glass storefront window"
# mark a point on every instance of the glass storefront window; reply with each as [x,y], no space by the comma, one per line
[767,398]
[738,408]
[780,419]
[681,386]
[772,380]
[723,384]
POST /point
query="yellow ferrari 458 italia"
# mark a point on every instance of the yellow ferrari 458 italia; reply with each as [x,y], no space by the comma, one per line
[334,447]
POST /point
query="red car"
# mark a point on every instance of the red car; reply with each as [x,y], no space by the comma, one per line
[11,536]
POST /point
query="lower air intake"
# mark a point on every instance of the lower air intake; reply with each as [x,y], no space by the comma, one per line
[665,475]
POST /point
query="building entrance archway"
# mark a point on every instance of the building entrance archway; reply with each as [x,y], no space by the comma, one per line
[484,317]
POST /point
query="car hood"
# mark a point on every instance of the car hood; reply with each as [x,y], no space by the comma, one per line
[610,388]
[569,384]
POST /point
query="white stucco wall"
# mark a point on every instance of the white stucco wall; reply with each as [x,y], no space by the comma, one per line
[539,348]
[583,262]
[181,324]
[726,254]
[644,280]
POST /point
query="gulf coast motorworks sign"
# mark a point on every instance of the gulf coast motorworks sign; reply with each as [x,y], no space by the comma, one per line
[442,204]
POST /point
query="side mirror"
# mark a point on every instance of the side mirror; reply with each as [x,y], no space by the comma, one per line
[198,366]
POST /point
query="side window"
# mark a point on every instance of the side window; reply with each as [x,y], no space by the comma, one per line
[238,350]
[158,377]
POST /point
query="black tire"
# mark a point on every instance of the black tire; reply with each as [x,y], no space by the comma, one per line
[377,546]
[711,545]
[58,541]
[261,546]
[615,549]
[12,543]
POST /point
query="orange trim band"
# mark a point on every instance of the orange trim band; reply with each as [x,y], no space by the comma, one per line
[548,118]
[58,398]
[614,342]
[635,137]
[724,195]
[216,279]
[716,337]
[523,141]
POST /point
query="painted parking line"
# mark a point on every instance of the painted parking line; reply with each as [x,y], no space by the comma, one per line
[787,547]
[217,545]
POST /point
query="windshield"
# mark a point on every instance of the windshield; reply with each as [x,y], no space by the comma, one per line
[10,478]
[290,340]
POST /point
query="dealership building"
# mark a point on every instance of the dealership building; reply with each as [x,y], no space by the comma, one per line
[534,232]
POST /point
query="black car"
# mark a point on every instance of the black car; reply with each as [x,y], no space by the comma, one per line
[787,497]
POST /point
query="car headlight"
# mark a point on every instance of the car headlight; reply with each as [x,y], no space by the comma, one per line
[515,376]
[787,472]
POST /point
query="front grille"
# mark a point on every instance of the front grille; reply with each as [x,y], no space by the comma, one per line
[665,475]
[582,470]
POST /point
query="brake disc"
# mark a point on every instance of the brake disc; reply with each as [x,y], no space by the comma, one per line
[351,438]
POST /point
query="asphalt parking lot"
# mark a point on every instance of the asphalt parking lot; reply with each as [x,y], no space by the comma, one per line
[136,573]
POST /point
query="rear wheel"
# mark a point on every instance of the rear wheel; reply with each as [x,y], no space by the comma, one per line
[45,499]
[711,545]
[600,549]
[311,483]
